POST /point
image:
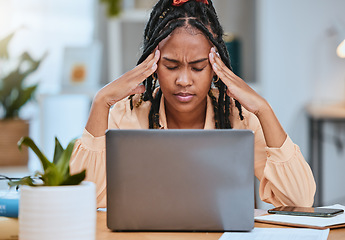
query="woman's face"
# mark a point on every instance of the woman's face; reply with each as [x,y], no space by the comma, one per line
[184,70]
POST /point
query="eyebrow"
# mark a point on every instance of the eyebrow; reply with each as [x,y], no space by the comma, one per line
[193,62]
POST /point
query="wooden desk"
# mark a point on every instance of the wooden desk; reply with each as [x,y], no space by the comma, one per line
[318,115]
[103,233]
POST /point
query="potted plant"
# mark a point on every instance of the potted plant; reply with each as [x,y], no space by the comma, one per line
[14,94]
[55,204]
[114,7]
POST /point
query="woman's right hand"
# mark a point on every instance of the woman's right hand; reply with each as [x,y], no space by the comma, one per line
[129,83]
[126,85]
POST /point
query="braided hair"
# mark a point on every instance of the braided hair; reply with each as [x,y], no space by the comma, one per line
[164,19]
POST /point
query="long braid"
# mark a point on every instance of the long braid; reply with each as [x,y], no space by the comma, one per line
[154,111]
[160,26]
[148,51]
[227,111]
[215,108]
[164,19]
[158,10]
[223,99]
[149,40]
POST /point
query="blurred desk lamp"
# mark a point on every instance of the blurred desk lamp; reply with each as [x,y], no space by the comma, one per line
[341,37]
[341,49]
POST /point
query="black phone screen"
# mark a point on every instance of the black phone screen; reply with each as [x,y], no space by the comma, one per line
[306,211]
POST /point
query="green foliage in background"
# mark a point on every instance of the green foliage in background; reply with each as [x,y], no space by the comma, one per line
[57,172]
[114,7]
[13,92]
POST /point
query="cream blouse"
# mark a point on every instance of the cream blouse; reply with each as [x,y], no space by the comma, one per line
[285,177]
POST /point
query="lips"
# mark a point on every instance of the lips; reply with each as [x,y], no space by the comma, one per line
[184,96]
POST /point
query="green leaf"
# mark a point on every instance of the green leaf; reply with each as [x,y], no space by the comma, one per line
[17,76]
[30,143]
[26,58]
[24,95]
[23,181]
[4,45]
[113,7]
[13,94]
[52,177]
[75,179]
[63,162]
[58,151]
[9,82]
[56,173]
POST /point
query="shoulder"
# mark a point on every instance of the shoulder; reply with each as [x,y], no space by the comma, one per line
[130,113]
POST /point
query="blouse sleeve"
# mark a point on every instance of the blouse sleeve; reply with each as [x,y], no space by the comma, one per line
[89,151]
[285,177]
[89,154]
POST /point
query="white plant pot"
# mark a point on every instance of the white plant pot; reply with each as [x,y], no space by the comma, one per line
[62,212]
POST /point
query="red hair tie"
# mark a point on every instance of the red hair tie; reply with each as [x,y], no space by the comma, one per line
[180,2]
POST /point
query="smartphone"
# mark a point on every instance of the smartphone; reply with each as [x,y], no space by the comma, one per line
[306,211]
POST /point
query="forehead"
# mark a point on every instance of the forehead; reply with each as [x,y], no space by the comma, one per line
[185,39]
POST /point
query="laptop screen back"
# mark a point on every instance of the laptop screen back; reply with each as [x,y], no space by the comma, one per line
[180,180]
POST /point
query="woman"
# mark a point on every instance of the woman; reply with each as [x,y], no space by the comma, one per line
[188,84]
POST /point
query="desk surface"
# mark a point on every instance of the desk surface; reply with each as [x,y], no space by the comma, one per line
[103,233]
[326,111]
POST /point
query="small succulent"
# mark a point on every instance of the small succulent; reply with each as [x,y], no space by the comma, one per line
[57,172]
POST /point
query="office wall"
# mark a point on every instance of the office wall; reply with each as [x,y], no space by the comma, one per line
[297,64]
[238,17]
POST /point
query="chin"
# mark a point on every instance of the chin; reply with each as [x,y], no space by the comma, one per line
[185,107]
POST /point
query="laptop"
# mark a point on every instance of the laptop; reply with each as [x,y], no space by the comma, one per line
[180,180]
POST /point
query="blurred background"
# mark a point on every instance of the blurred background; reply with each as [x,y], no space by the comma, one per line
[286,50]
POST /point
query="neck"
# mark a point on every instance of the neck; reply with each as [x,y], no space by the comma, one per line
[189,120]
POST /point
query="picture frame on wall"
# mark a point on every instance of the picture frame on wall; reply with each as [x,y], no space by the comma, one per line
[81,68]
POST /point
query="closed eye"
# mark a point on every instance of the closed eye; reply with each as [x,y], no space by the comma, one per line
[198,69]
[171,68]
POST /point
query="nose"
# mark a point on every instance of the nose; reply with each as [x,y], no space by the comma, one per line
[184,79]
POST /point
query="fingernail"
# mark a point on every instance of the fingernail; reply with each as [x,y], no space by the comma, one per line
[156,53]
[154,66]
[215,65]
[213,49]
[212,55]
[217,54]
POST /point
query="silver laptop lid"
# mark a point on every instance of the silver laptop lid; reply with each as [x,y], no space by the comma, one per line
[180,180]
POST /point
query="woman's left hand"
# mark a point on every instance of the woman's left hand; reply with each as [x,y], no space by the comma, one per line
[250,100]
[237,88]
